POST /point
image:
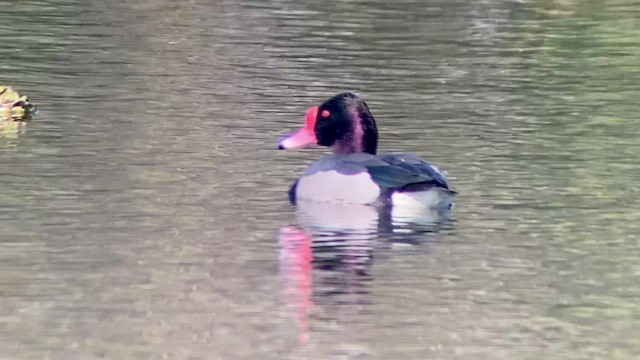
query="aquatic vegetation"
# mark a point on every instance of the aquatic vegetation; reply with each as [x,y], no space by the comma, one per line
[14,106]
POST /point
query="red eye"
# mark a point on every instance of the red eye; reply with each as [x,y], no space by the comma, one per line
[325,113]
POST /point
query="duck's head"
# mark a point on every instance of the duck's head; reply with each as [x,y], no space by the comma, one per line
[342,123]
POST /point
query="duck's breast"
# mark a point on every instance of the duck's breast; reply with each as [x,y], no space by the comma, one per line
[338,179]
[338,187]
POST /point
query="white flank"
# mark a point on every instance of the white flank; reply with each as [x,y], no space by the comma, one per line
[430,199]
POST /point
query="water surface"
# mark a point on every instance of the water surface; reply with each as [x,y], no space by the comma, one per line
[144,214]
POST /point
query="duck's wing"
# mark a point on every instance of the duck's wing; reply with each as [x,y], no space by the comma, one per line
[405,172]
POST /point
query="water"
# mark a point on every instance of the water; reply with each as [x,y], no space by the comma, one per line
[144,215]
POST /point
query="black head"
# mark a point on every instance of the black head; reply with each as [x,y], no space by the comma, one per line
[345,124]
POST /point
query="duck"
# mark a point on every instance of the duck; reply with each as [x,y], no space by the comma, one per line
[354,173]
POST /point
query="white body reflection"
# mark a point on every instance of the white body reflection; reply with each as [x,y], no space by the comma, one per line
[326,259]
[325,216]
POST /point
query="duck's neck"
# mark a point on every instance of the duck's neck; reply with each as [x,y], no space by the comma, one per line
[357,142]
[348,147]
[361,135]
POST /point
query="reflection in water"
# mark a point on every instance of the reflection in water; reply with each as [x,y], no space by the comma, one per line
[11,130]
[327,261]
[296,266]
